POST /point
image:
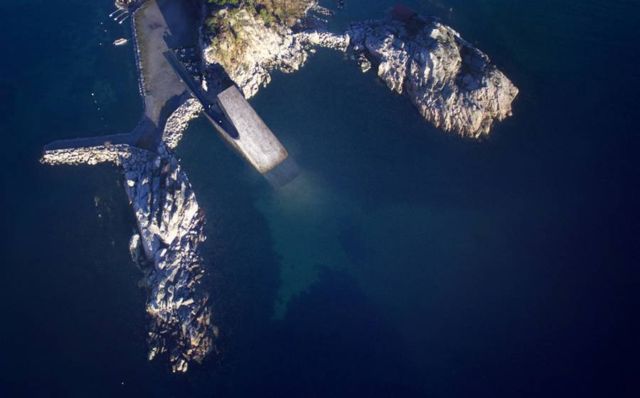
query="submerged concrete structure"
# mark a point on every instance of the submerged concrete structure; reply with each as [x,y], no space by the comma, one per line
[255,140]
[236,121]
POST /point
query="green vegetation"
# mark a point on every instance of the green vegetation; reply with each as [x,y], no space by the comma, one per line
[232,22]
[229,41]
[284,12]
[225,2]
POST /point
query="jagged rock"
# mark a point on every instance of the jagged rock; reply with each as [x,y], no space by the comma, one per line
[179,121]
[171,226]
[170,230]
[363,63]
[253,50]
[453,84]
[136,252]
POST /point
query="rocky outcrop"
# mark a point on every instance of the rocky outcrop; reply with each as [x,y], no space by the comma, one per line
[170,223]
[166,246]
[255,49]
[179,121]
[454,85]
[171,229]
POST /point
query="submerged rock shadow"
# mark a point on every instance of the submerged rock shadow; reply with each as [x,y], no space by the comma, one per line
[332,342]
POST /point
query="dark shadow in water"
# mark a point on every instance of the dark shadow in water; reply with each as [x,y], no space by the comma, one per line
[243,269]
[332,342]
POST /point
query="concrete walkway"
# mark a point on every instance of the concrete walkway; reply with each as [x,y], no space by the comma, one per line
[159,83]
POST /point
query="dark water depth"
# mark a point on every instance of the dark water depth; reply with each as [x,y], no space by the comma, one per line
[402,262]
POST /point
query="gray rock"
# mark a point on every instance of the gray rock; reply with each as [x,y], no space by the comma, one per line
[166,246]
[115,154]
[179,121]
[454,85]
[171,227]
[363,63]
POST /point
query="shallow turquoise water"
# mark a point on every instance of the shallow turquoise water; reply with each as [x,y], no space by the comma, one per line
[402,262]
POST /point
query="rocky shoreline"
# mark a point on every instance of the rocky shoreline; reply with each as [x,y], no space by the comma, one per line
[249,48]
[167,245]
[453,85]
[171,229]
[170,223]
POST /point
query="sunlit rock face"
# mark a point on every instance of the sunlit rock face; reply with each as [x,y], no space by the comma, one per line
[91,156]
[171,229]
[454,85]
[167,245]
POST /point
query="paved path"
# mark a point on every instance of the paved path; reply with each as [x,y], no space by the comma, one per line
[159,84]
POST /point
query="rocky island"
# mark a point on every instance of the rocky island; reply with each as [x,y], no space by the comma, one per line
[240,43]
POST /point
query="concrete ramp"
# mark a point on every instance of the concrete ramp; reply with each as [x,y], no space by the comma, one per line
[254,141]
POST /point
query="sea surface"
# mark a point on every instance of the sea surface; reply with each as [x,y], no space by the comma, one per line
[403,262]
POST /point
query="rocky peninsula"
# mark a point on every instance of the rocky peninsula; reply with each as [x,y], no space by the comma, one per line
[170,223]
[166,247]
[453,85]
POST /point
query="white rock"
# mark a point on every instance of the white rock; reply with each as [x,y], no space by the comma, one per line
[171,227]
[170,230]
[453,84]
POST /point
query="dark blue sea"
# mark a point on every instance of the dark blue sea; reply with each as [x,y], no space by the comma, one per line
[403,262]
